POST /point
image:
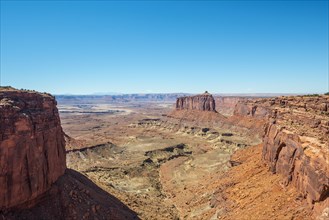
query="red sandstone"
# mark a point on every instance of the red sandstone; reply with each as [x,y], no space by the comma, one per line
[203,102]
[32,147]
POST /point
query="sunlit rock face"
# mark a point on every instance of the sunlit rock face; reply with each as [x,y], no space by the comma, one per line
[32,146]
[202,102]
[296,140]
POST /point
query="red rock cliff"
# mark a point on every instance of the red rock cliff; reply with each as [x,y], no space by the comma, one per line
[203,102]
[32,146]
[296,142]
[226,104]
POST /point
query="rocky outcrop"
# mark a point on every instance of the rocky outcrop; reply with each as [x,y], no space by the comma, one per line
[203,102]
[226,104]
[32,146]
[302,160]
[296,140]
[35,183]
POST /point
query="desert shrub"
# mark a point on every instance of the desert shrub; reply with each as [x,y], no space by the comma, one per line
[312,95]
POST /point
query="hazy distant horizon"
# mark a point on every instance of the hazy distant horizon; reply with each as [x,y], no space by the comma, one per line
[129,47]
[185,93]
[172,92]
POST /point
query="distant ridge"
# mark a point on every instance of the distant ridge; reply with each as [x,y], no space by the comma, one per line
[151,97]
[257,94]
[89,99]
[107,93]
[182,93]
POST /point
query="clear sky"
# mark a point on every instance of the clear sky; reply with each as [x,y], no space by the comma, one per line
[83,47]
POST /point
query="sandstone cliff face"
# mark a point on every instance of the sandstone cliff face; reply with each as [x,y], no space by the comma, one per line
[226,105]
[32,146]
[203,102]
[296,142]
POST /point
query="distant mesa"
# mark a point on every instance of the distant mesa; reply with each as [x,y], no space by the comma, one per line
[198,108]
[202,102]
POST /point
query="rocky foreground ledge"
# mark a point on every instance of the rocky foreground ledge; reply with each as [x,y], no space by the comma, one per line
[296,142]
[34,181]
[32,147]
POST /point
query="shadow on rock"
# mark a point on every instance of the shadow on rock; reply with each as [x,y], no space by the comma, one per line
[73,196]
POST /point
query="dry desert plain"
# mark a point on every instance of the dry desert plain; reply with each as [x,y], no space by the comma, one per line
[165,167]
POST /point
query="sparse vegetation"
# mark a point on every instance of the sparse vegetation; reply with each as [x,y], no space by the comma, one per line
[327,93]
[312,95]
[6,88]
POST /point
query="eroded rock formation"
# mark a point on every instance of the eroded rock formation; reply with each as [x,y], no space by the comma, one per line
[34,181]
[202,102]
[32,147]
[296,142]
[226,104]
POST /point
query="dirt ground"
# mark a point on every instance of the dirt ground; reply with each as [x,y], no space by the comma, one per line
[162,168]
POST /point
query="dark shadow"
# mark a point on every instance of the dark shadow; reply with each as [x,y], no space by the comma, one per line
[73,196]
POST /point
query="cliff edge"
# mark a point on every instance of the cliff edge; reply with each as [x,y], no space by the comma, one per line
[296,142]
[35,183]
[32,147]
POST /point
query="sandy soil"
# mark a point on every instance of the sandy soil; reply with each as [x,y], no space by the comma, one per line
[165,169]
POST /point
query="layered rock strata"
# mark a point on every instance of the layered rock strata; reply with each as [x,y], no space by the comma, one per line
[202,102]
[32,146]
[226,105]
[296,142]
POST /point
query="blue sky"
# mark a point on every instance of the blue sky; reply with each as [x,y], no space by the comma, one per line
[83,47]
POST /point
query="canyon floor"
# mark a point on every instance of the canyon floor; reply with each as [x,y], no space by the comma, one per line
[162,168]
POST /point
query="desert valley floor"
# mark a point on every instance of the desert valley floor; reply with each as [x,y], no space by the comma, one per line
[163,168]
[167,156]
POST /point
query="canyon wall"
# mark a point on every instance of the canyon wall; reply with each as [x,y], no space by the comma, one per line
[202,102]
[296,142]
[32,146]
[226,105]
